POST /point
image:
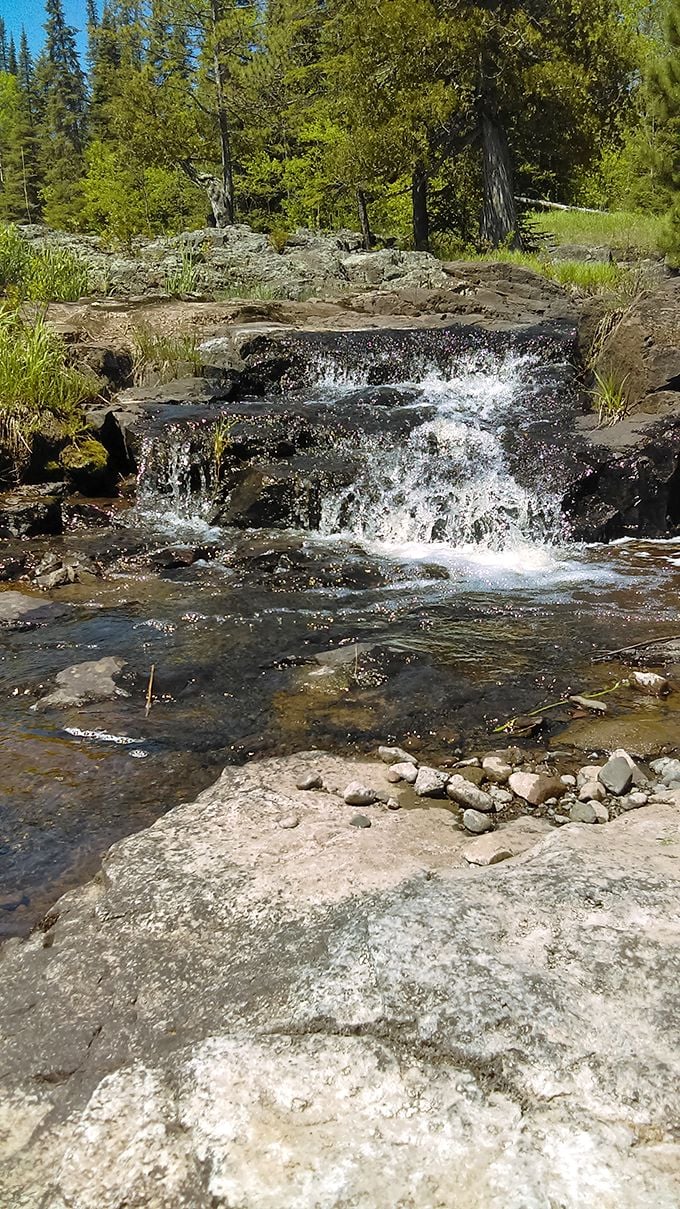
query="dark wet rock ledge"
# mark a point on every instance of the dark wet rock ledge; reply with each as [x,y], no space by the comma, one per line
[257,1003]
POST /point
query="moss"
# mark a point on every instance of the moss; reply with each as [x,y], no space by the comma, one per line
[86,462]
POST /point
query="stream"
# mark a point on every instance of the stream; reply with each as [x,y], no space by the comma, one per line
[396,568]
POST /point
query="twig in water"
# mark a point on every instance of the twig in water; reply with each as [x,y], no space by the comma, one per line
[149,691]
[637,646]
[507,726]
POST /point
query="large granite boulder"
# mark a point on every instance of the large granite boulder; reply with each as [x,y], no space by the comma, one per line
[240,1011]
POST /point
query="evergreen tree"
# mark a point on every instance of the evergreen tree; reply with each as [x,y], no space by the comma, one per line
[12,62]
[664,85]
[4,48]
[63,99]
[19,176]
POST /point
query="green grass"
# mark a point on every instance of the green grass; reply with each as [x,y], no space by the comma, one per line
[168,355]
[610,399]
[185,278]
[584,276]
[617,229]
[39,274]
[37,385]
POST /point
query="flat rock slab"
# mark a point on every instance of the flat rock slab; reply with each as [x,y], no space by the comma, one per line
[84,682]
[233,1013]
[18,610]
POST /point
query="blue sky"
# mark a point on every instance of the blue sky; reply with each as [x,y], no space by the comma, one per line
[31,14]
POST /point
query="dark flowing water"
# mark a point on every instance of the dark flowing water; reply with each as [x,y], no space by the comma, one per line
[421,587]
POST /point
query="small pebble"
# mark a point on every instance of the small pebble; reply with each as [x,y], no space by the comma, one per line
[311,781]
[393,804]
[288,822]
[359,820]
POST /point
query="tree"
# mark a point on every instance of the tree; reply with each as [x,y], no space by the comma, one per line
[664,86]
[18,155]
[63,101]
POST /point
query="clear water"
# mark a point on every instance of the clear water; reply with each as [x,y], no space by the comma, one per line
[441,551]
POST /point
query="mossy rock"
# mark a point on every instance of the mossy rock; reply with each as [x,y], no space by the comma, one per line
[87,464]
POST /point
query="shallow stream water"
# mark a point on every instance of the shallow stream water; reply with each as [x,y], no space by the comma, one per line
[424,588]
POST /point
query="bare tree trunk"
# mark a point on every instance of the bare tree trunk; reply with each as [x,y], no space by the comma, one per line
[421,223]
[499,217]
[222,198]
[363,219]
[221,204]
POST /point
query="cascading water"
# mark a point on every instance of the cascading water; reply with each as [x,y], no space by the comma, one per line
[449,482]
[408,458]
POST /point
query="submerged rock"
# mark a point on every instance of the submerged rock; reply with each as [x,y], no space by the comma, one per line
[83,682]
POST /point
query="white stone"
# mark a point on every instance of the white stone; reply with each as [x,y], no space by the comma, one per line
[593,791]
[404,772]
[358,794]
[464,793]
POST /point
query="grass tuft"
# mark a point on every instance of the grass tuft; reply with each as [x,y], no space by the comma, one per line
[185,278]
[37,385]
[40,274]
[168,355]
[610,398]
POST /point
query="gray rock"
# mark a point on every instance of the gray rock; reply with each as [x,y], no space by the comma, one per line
[476,822]
[430,782]
[312,780]
[142,1068]
[85,682]
[591,704]
[357,794]
[464,794]
[670,772]
[583,812]
[601,812]
[617,776]
[18,610]
[359,820]
[633,801]
[396,755]
[496,768]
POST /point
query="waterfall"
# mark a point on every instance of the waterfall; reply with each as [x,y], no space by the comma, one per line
[436,455]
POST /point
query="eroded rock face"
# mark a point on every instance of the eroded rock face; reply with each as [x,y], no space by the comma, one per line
[237,1013]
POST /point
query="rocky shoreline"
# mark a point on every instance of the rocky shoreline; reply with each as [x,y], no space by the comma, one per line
[262,1000]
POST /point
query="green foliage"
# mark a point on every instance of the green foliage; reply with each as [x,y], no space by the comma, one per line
[167,354]
[221,441]
[37,385]
[124,198]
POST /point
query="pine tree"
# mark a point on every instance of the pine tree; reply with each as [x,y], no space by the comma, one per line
[664,87]
[12,63]
[19,200]
[4,49]
[62,89]
[26,76]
